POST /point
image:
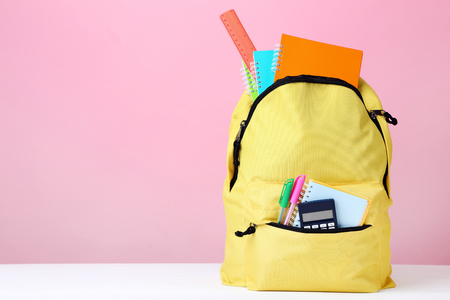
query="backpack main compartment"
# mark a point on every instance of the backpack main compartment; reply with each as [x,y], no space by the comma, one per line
[321,127]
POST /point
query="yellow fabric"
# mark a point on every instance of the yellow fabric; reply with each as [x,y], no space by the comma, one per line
[322,131]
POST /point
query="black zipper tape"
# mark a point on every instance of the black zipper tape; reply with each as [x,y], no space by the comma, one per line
[252,229]
[295,79]
[302,230]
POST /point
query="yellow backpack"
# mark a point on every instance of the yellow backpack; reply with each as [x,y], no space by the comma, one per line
[334,133]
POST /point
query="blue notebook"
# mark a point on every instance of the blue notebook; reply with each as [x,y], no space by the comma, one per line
[263,66]
[351,209]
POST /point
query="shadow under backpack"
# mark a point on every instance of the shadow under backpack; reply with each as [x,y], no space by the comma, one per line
[334,133]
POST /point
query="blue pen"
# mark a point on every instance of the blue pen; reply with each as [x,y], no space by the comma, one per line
[284,197]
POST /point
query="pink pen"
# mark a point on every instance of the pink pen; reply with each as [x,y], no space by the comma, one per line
[298,185]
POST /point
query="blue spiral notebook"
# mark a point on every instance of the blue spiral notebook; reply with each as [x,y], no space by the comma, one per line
[263,64]
[351,209]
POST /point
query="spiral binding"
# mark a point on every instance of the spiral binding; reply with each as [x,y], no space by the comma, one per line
[255,73]
[295,211]
[252,70]
[277,54]
[246,77]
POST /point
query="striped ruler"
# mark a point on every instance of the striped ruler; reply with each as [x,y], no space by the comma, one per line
[239,36]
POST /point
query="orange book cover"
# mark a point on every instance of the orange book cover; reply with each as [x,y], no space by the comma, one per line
[301,56]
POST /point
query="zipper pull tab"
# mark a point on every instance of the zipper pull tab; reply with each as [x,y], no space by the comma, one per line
[391,120]
[250,230]
[237,144]
[238,135]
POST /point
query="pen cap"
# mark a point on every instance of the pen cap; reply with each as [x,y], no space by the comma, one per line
[286,192]
[297,189]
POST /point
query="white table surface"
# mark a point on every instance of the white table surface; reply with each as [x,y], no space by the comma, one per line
[186,281]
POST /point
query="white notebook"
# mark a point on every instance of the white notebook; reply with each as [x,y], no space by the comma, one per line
[351,209]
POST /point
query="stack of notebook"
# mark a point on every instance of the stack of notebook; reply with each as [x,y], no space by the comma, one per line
[293,56]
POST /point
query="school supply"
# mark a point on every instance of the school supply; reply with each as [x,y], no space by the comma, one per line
[351,209]
[264,74]
[322,127]
[296,190]
[320,214]
[249,83]
[284,197]
[297,56]
[239,36]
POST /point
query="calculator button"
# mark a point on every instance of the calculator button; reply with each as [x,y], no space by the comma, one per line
[330,224]
[307,227]
[315,226]
[331,227]
[323,225]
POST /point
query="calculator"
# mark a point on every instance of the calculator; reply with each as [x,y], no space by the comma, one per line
[318,214]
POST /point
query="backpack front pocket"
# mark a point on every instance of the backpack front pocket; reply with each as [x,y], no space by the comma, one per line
[280,259]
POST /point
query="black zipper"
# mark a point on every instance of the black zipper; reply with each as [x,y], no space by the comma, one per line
[295,79]
[252,229]
[390,119]
[302,230]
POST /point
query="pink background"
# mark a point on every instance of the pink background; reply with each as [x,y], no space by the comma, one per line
[114,121]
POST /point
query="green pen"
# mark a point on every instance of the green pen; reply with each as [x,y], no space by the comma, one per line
[284,197]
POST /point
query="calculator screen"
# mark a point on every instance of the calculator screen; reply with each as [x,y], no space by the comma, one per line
[317,215]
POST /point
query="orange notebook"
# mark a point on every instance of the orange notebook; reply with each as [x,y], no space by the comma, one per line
[299,56]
